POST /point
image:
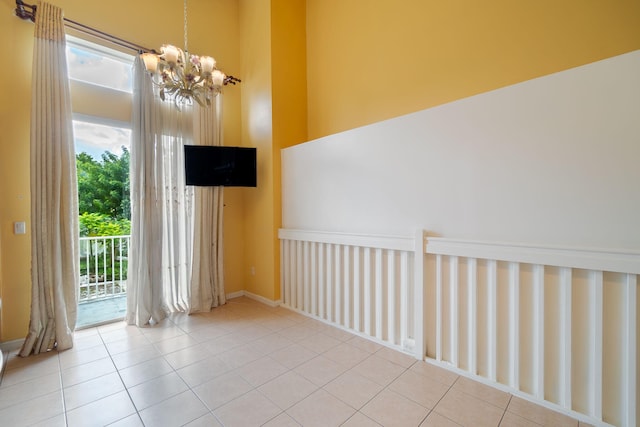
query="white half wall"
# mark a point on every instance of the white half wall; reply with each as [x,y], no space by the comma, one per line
[554,160]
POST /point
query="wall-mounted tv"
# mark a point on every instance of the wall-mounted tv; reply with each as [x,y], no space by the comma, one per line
[207,166]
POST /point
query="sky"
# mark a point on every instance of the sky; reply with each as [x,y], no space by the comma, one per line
[95,139]
[92,67]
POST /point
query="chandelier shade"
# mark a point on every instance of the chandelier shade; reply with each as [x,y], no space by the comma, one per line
[183,77]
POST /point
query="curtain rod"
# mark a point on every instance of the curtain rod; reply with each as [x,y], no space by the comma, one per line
[28,12]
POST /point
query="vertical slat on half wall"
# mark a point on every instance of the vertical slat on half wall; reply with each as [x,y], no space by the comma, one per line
[514,325]
[298,303]
[329,279]
[378,296]
[595,341]
[538,331]
[307,277]
[404,296]
[492,325]
[357,294]
[284,259]
[314,279]
[366,283]
[297,273]
[419,302]
[346,281]
[472,309]
[391,296]
[629,351]
[565,337]
[439,308]
[291,271]
[338,284]
[322,274]
[453,310]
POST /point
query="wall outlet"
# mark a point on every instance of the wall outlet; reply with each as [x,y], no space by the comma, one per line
[253,270]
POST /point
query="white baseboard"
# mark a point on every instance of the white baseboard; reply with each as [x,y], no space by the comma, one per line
[235,295]
[255,297]
[262,299]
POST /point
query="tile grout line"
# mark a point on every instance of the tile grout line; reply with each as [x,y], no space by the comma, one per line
[505,409]
[64,403]
[121,380]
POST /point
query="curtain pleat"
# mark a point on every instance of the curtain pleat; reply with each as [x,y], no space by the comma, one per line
[54,195]
[207,280]
[174,237]
[177,206]
[144,294]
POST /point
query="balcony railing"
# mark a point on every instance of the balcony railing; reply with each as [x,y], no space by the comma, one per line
[103,267]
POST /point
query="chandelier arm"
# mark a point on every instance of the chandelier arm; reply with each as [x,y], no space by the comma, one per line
[231,80]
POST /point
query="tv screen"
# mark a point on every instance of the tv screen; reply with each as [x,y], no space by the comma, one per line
[208,166]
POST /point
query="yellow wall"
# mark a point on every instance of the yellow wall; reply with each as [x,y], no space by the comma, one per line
[370,60]
[15,82]
[289,84]
[213,29]
[255,48]
[273,117]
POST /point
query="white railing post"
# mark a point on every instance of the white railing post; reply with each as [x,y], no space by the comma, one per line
[472,310]
[419,306]
[595,342]
[492,341]
[565,337]
[538,331]
[438,308]
[391,297]
[453,310]
[514,325]
[629,351]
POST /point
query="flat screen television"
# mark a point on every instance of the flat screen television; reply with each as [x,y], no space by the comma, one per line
[207,166]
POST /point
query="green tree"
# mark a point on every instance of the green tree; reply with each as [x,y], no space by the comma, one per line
[103,186]
[96,224]
[87,170]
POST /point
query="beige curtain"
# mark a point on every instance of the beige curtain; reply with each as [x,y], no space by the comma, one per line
[207,280]
[144,293]
[54,193]
[174,264]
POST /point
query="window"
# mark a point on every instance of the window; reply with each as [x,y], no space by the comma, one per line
[97,65]
[100,80]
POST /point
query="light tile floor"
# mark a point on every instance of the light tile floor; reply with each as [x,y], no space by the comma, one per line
[246,364]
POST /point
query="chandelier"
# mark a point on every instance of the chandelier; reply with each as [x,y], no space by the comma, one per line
[183,77]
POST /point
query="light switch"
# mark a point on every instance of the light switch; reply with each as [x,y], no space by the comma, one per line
[20,227]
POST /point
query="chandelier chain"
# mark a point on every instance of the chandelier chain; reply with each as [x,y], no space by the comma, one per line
[186,48]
